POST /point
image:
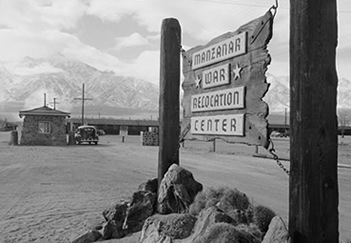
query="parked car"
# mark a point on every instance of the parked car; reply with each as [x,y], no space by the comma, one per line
[86,134]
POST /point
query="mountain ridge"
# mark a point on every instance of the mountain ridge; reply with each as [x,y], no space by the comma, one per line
[62,78]
[65,83]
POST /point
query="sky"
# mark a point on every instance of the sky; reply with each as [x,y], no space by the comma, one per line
[124,35]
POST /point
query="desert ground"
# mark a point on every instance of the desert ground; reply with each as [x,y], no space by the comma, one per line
[56,193]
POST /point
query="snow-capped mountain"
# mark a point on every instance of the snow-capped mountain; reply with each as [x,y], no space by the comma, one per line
[278,95]
[62,78]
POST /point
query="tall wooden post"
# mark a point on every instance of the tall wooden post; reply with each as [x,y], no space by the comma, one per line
[313,202]
[169,96]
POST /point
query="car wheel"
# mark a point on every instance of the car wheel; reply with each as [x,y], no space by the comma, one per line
[96,143]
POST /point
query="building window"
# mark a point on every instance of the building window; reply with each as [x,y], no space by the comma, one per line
[44,127]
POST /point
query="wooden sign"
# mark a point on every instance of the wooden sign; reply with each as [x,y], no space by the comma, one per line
[224,83]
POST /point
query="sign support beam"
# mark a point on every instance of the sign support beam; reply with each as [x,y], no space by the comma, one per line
[313,202]
[169,129]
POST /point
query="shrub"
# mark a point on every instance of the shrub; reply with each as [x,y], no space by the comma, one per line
[227,199]
[220,233]
[262,217]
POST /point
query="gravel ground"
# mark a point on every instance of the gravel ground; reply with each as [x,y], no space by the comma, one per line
[56,193]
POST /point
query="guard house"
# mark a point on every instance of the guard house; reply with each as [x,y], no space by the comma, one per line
[44,126]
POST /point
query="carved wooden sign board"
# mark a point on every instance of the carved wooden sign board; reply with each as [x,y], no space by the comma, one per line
[224,83]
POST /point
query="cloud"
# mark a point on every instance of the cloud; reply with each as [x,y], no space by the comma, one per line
[16,44]
[134,39]
[146,67]
[36,15]
[24,70]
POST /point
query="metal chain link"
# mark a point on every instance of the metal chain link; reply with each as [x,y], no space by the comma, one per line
[274,8]
[276,158]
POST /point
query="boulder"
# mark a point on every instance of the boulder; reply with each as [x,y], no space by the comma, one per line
[115,217]
[177,191]
[90,236]
[165,228]
[277,232]
[116,212]
[141,206]
[112,229]
[150,185]
[207,218]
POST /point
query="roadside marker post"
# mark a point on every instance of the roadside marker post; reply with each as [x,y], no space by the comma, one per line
[169,128]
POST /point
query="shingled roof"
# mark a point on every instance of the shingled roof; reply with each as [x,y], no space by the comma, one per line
[43,111]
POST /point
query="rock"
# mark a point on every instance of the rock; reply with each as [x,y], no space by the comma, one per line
[277,232]
[116,212]
[113,230]
[207,218]
[177,191]
[165,228]
[150,185]
[90,236]
[115,216]
[141,206]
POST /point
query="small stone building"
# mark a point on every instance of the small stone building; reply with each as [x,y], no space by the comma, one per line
[44,126]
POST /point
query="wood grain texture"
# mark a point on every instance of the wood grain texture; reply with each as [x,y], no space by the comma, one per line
[169,127]
[254,66]
[313,203]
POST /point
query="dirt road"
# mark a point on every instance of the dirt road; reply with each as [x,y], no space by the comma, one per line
[54,194]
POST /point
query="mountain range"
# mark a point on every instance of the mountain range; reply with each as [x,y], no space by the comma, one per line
[62,79]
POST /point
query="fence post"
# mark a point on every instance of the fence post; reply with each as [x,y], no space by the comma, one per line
[169,96]
[313,197]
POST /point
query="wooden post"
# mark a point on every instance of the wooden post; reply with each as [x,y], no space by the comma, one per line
[169,96]
[313,202]
[214,145]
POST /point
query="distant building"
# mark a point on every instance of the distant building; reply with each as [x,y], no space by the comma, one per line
[44,126]
[117,126]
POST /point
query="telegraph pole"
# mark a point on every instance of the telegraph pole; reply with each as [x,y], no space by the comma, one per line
[83,99]
[314,196]
[54,102]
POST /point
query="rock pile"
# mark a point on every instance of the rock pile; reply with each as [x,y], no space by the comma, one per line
[183,213]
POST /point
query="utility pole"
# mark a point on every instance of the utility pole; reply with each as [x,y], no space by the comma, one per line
[83,99]
[54,102]
[313,192]
[286,116]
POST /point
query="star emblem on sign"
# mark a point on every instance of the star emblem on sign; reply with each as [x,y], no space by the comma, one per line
[198,81]
[236,71]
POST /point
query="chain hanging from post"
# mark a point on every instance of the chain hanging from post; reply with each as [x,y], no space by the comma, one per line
[274,8]
[276,158]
